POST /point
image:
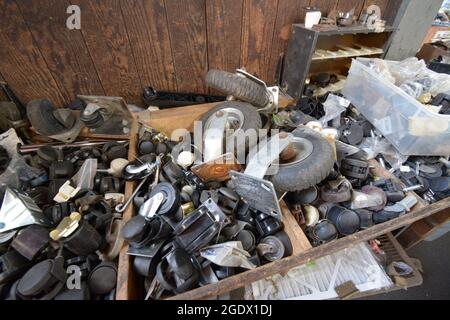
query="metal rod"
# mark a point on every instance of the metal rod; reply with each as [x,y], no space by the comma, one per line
[413,188]
[120,208]
[30,148]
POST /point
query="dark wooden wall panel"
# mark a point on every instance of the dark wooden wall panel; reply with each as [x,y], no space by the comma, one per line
[288,13]
[391,11]
[104,30]
[325,6]
[124,45]
[187,26]
[149,38]
[224,28]
[64,50]
[258,28]
[2,95]
[348,5]
[21,62]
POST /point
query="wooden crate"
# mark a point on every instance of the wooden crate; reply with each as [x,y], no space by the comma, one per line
[394,252]
[129,287]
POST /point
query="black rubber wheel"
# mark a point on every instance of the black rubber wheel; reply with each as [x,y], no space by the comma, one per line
[282,246]
[283,236]
[238,86]
[171,200]
[314,168]
[40,114]
[243,116]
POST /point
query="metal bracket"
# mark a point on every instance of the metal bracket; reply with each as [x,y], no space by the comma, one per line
[214,136]
[119,119]
[216,165]
[272,92]
[260,194]
[404,205]
[267,154]
[19,210]
[151,206]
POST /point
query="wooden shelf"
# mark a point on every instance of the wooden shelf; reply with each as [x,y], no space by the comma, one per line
[346,52]
[320,51]
[351,30]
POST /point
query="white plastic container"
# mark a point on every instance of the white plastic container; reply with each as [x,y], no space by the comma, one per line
[406,123]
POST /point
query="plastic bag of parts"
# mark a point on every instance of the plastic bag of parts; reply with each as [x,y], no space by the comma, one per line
[412,76]
[317,280]
[18,170]
[407,70]
[412,88]
[334,106]
[441,83]
[228,254]
[381,67]
[374,146]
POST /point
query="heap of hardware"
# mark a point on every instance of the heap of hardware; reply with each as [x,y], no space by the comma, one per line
[202,212]
[61,214]
[203,217]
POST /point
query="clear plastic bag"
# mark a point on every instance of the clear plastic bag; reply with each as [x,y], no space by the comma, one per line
[381,67]
[333,106]
[407,70]
[412,88]
[440,83]
[412,76]
[374,146]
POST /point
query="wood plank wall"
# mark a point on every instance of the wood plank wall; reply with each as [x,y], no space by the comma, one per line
[124,45]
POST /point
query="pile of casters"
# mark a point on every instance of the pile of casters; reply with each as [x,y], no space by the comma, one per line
[64,219]
[202,217]
[62,206]
[203,212]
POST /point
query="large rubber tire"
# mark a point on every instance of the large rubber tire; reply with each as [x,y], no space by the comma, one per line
[238,86]
[310,171]
[40,114]
[252,118]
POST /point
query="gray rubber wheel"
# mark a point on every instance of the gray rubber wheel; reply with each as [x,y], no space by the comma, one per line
[238,86]
[312,165]
[242,117]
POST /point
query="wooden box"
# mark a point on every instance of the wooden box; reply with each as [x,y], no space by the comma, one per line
[130,286]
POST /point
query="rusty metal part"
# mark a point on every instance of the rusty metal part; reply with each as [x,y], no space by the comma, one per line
[297,212]
[217,169]
[288,154]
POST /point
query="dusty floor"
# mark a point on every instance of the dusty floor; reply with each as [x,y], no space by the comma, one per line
[435,258]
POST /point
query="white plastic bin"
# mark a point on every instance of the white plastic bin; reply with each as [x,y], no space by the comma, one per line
[406,123]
